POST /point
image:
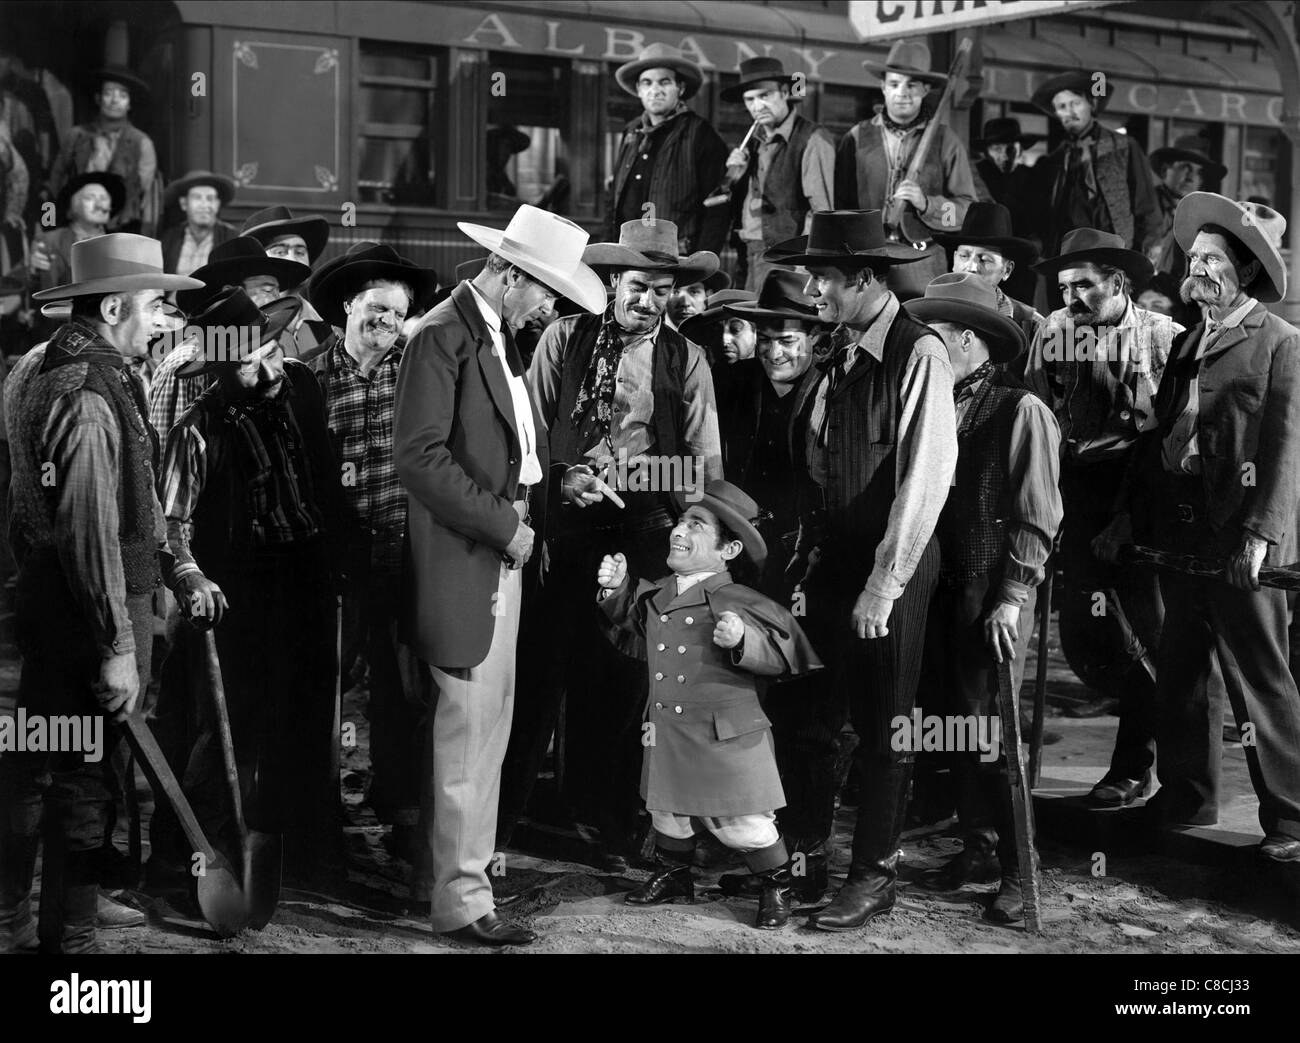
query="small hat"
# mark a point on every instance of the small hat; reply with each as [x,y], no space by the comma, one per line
[964,299]
[329,289]
[119,74]
[705,327]
[1077,80]
[1257,228]
[650,246]
[737,510]
[989,225]
[195,179]
[843,239]
[118,262]
[1092,246]
[504,132]
[781,297]
[757,70]
[660,56]
[1003,131]
[1189,149]
[230,316]
[909,58]
[233,261]
[111,183]
[275,221]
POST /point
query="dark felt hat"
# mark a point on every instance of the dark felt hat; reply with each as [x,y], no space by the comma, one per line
[112,184]
[233,327]
[650,246]
[782,297]
[1080,81]
[908,58]
[660,56]
[989,225]
[196,179]
[275,221]
[758,70]
[1190,149]
[1003,131]
[329,289]
[964,299]
[843,239]
[705,328]
[737,510]
[233,261]
[1092,246]
[119,74]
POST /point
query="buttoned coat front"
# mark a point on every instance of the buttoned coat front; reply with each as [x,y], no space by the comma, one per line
[708,743]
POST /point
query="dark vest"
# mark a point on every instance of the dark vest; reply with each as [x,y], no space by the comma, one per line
[785,207]
[972,529]
[668,383]
[97,368]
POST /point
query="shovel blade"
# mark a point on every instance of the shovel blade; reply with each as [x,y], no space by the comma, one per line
[263,864]
[222,901]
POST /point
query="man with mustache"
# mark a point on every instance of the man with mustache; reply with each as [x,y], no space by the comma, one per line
[1095,178]
[1180,168]
[1097,362]
[253,497]
[1218,476]
[669,159]
[785,172]
[199,195]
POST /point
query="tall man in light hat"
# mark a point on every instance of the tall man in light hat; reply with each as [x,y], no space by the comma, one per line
[1098,362]
[199,195]
[785,172]
[669,159]
[470,448]
[87,532]
[872,159]
[995,536]
[625,400]
[1218,476]
[874,440]
[1095,178]
[1179,168]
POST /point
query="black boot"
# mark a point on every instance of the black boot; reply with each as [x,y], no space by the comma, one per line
[775,899]
[17,866]
[1009,905]
[869,892]
[673,879]
[976,863]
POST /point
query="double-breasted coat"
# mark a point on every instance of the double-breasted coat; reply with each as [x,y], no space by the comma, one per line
[708,744]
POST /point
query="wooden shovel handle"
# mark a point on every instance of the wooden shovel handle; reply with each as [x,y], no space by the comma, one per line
[163,781]
[212,675]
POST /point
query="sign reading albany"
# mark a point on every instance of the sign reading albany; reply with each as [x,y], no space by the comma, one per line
[881,19]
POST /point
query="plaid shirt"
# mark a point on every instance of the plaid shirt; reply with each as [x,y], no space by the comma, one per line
[360,411]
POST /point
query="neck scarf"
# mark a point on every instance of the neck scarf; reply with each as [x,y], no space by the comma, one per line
[967,383]
[593,410]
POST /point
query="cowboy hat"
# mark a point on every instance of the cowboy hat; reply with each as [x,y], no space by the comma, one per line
[736,509]
[119,74]
[549,248]
[328,290]
[197,179]
[715,283]
[230,316]
[908,58]
[965,300]
[781,297]
[989,225]
[705,327]
[517,139]
[650,246]
[275,221]
[758,70]
[116,263]
[1188,149]
[1256,228]
[111,183]
[1077,80]
[233,261]
[843,239]
[660,56]
[1091,246]
[1003,131]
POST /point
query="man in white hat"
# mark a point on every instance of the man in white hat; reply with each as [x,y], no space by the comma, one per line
[1219,477]
[669,159]
[87,531]
[470,449]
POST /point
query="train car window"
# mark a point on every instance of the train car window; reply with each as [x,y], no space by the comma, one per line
[528,133]
[398,94]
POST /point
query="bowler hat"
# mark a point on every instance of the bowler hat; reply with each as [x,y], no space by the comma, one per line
[1081,82]
[965,300]
[197,179]
[225,326]
[233,261]
[782,296]
[908,58]
[329,290]
[1258,229]
[843,239]
[275,221]
[118,262]
[1188,148]
[1003,131]
[660,56]
[736,509]
[989,225]
[1092,246]
[758,70]
[650,246]
[111,183]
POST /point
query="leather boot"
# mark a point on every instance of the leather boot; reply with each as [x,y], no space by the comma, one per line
[776,898]
[976,863]
[673,879]
[807,887]
[69,900]
[869,892]
[17,866]
[1009,905]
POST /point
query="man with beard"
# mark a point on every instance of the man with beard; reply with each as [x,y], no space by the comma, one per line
[253,500]
[1217,478]
[669,159]
[785,173]
[1097,362]
[1096,178]
[628,404]
[872,160]
[1180,168]
[1006,177]
[368,297]
[200,195]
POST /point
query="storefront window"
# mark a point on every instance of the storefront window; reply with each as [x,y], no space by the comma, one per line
[398,97]
[528,127]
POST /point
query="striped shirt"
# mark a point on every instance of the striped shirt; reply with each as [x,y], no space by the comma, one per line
[169,395]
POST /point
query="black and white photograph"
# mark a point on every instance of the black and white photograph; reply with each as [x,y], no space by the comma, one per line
[540,477]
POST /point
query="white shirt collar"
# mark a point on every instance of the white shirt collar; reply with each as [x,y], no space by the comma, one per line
[684,583]
[490,315]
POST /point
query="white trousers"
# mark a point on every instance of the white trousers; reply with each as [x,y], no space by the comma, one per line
[742,832]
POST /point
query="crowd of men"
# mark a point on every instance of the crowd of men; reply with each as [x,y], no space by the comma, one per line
[586,496]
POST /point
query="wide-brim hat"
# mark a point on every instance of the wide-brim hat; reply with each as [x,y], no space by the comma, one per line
[1079,81]
[234,311]
[736,509]
[195,179]
[1003,130]
[757,70]
[782,296]
[275,221]
[660,56]
[1185,149]
[235,260]
[549,248]
[989,225]
[119,74]
[965,300]
[650,246]
[328,290]
[1093,246]
[705,327]
[111,183]
[504,132]
[908,58]
[118,262]
[843,239]
[1258,230]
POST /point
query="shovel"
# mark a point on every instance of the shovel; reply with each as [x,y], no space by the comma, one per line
[263,853]
[221,899]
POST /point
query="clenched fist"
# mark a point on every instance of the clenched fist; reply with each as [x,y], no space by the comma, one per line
[730,630]
[612,571]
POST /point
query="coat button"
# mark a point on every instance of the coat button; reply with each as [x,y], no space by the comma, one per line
[659,706]
[677,709]
[659,677]
[681,678]
[1124,414]
[663,619]
[681,649]
[661,648]
[689,620]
